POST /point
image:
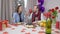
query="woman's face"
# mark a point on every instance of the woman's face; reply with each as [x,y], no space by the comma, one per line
[20,9]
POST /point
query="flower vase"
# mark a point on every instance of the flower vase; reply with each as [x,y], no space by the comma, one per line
[53,22]
[48,26]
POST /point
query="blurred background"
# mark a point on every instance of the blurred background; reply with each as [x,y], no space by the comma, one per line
[7,7]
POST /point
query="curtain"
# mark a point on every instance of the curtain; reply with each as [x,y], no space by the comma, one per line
[6,10]
[7,7]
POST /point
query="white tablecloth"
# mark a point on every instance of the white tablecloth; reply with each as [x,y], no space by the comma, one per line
[18,29]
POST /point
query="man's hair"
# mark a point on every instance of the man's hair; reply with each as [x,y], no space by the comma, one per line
[37,6]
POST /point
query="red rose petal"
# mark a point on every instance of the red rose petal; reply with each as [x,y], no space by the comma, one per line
[5,32]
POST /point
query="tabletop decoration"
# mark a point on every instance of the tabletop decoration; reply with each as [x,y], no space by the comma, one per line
[57,24]
[19,23]
[4,25]
[42,23]
[40,5]
[5,32]
[27,33]
[29,26]
[13,28]
[33,30]
[48,22]
[51,16]
[41,32]
[54,13]
[22,30]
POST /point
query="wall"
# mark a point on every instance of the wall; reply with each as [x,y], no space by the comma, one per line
[51,4]
[30,4]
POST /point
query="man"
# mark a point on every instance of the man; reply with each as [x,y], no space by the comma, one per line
[36,14]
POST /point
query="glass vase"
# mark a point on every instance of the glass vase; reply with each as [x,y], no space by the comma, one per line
[48,25]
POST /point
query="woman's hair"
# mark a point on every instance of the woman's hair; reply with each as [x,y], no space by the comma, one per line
[18,8]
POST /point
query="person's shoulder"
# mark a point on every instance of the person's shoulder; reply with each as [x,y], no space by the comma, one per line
[22,13]
[15,13]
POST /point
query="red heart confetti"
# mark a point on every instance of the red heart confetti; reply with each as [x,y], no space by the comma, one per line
[15,24]
[13,28]
[27,33]
[5,32]
[41,32]
[9,26]
[42,28]
[22,30]
[33,30]
[57,31]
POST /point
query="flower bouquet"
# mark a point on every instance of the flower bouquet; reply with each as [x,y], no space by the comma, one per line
[48,22]
[54,13]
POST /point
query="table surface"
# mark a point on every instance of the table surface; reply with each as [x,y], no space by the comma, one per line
[20,29]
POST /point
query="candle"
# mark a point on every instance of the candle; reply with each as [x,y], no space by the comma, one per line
[48,26]
[0,26]
[57,24]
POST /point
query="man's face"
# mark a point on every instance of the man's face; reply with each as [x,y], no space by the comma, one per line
[35,8]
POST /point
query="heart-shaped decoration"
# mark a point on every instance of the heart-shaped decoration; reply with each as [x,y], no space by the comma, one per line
[5,32]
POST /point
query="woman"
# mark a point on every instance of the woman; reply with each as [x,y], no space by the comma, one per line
[18,16]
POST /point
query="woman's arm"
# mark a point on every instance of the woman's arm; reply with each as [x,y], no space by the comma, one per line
[14,17]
